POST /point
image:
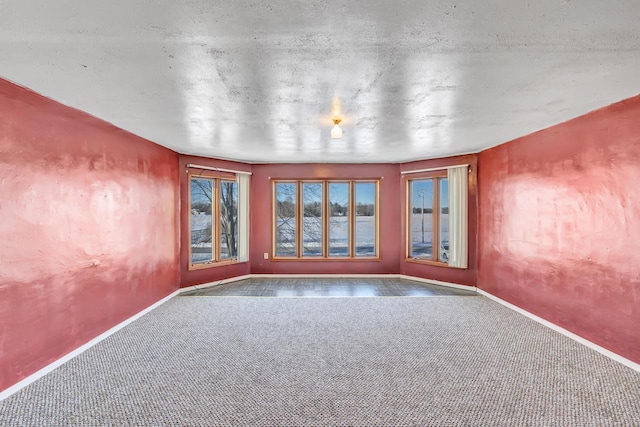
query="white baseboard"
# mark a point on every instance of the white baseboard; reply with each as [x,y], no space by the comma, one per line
[610,354]
[438,282]
[216,283]
[42,372]
[64,359]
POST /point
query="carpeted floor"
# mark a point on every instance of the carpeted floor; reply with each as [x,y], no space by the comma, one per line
[454,361]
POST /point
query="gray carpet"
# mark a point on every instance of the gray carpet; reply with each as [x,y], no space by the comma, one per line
[454,361]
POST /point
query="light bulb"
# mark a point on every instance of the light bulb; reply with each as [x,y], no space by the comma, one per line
[336,132]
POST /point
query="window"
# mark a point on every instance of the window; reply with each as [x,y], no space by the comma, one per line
[437,222]
[286,242]
[228,219]
[325,219]
[312,219]
[339,219]
[365,230]
[202,230]
[213,219]
[428,209]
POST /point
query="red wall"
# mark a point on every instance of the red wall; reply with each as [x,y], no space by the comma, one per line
[560,225]
[211,274]
[88,229]
[261,217]
[446,274]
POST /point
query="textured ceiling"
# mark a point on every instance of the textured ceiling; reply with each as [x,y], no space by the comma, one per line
[256,80]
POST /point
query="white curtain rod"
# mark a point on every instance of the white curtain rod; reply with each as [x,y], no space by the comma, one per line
[432,169]
[211,168]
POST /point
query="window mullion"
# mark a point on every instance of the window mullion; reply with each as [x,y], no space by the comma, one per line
[274,218]
[376,223]
[215,221]
[436,219]
[219,222]
[325,219]
[299,216]
[408,217]
[352,219]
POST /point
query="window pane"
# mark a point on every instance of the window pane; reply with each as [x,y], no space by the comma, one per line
[286,207]
[421,218]
[339,219]
[365,199]
[201,220]
[312,219]
[444,220]
[228,219]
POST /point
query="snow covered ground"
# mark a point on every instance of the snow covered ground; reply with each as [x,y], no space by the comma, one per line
[420,246]
[338,236]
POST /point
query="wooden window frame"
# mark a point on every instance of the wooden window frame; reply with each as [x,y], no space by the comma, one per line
[436,177]
[326,210]
[350,220]
[324,229]
[217,178]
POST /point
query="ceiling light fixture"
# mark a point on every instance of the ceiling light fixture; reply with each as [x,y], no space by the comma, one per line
[336,132]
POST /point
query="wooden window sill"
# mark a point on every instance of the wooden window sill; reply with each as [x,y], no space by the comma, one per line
[430,262]
[212,264]
[329,259]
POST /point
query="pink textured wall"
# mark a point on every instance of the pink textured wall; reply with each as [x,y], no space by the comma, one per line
[89,229]
[214,273]
[389,217]
[560,225]
[465,276]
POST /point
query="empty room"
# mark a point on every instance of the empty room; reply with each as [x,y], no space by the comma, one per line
[319,213]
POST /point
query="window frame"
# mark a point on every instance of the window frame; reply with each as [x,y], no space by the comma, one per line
[217,178]
[300,218]
[221,183]
[350,222]
[326,211]
[436,177]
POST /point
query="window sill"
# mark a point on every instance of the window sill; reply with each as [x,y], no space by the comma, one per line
[432,263]
[331,259]
[212,264]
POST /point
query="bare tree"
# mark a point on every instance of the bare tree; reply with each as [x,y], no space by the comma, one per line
[286,205]
[203,191]
[229,216]
[311,211]
[312,218]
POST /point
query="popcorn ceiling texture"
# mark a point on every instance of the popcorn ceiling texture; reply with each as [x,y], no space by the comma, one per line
[255,81]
